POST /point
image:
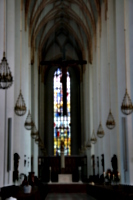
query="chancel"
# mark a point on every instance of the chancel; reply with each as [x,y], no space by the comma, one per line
[66,96]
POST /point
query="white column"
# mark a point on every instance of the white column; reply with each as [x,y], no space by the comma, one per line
[2,95]
[113,77]
[129,57]
[35,113]
[22,139]
[95,104]
[104,83]
[121,85]
[9,93]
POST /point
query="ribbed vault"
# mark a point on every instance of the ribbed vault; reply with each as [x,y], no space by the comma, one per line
[64,27]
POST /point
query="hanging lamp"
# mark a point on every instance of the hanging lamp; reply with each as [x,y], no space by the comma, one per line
[6,78]
[20,107]
[84,147]
[88,145]
[28,122]
[41,145]
[34,131]
[127,106]
[93,138]
[37,139]
[110,123]
[100,131]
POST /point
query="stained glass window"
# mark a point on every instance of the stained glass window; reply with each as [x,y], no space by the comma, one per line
[62,129]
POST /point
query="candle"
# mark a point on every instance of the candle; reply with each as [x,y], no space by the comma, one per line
[109,175]
[113,177]
[119,175]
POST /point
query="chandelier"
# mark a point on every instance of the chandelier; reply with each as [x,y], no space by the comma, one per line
[100,131]
[110,123]
[20,107]
[28,123]
[34,131]
[126,107]
[37,139]
[88,145]
[6,78]
[93,138]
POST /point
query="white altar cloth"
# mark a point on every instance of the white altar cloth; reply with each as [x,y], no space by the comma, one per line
[64,178]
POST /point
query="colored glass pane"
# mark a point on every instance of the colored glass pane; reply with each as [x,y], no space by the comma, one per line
[62,129]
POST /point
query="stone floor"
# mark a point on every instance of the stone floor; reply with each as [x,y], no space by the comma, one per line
[69,196]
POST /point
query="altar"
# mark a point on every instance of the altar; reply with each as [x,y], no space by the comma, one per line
[51,166]
[64,178]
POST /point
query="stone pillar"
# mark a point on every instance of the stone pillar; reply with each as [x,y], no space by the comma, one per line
[113,77]
[2,94]
[129,59]
[35,108]
[121,85]
[104,91]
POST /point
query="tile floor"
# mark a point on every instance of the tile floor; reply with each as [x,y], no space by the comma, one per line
[69,196]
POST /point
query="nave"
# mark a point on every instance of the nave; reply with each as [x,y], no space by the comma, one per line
[66,71]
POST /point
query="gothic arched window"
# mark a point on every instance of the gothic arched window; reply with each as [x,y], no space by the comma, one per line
[62,124]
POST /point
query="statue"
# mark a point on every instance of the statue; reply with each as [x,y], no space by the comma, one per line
[62,145]
[102,161]
[114,163]
[98,165]
[16,164]
[93,164]
[62,155]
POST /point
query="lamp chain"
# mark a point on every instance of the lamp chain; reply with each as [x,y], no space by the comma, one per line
[109,59]
[20,40]
[99,63]
[125,42]
[4,45]
[93,94]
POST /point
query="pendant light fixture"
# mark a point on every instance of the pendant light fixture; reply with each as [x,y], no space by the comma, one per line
[28,122]
[41,144]
[6,78]
[37,139]
[110,123]
[100,131]
[93,138]
[20,107]
[126,107]
[88,145]
[84,147]
[34,131]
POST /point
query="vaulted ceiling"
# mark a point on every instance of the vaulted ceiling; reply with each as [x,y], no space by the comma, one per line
[62,28]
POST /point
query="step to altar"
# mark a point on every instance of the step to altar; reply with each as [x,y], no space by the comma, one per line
[67,188]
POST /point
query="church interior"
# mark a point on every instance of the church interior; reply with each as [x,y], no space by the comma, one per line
[66,97]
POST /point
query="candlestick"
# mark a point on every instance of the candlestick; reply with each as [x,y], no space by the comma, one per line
[119,175]
[113,177]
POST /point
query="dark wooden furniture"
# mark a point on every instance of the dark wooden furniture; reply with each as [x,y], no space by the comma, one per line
[72,164]
[38,192]
[117,192]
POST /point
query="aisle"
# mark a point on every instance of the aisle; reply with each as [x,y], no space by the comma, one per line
[69,196]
